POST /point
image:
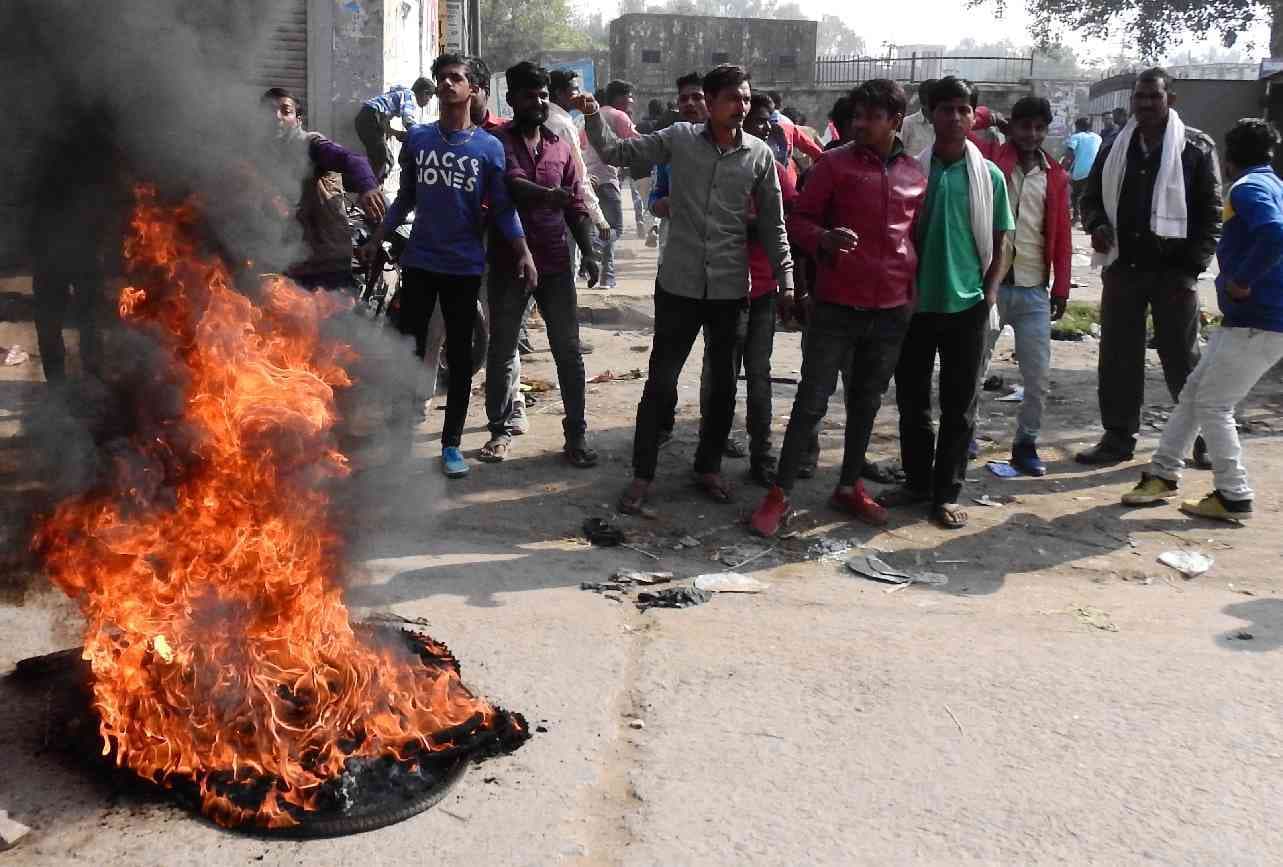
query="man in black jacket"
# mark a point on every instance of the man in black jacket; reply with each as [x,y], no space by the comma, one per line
[1155,252]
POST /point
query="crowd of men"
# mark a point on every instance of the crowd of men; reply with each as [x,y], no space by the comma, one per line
[903,246]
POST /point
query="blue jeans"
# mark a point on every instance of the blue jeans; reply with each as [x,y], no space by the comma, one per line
[612,208]
[1027,309]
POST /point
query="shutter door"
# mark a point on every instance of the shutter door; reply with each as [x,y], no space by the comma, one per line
[284,60]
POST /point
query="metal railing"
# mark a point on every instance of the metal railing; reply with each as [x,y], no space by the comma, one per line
[915,67]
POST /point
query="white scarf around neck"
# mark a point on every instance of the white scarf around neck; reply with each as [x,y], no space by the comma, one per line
[1168,215]
[980,184]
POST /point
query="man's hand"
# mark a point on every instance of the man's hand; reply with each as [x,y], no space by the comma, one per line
[991,295]
[1102,240]
[604,232]
[838,240]
[661,208]
[592,269]
[1238,291]
[526,269]
[1058,307]
[558,198]
[586,103]
[373,204]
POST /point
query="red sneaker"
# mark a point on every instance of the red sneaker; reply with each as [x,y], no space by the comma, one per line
[770,513]
[858,503]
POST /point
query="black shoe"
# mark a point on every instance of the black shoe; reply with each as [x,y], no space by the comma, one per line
[762,470]
[1103,454]
[665,437]
[1201,460]
[735,448]
[806,471]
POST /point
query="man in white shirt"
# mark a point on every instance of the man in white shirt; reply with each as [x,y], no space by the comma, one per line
[562,90]
[917,132]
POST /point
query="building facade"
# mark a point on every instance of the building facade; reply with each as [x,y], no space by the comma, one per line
[653,50]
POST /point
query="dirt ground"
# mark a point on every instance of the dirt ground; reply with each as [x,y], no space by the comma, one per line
[1063,698]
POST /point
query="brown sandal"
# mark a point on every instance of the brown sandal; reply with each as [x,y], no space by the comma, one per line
[950,516]
[714,487]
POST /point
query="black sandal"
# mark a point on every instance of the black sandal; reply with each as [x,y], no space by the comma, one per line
[581,457]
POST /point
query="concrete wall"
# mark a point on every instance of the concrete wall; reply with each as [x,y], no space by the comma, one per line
[1212,105]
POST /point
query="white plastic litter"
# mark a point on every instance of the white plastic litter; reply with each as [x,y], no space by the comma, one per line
[1191,564]
[10,831]
[729,582]
[16,356]
[1015,395]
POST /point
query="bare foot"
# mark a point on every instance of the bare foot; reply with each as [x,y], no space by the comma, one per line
[634,498]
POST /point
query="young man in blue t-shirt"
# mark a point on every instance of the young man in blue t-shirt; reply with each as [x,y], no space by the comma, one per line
[449,169]
[1081,149]
[1249,342]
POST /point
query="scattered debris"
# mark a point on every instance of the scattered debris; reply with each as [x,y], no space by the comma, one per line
[1095,617]
[16,356]
[954,717]
[636,724]
[888,471]
[828,546]
[1244,592]
[994,383]
[629,576]
[1002,469]
[641,551]
[1067,334]
[736,556]
[611,376]
[10,831]
[1191,564]
[688,542]
[601,532]
[1244,636]
[536,386]
[672,597]
[728,582]
[1016,394]
[986,500]
[873,567]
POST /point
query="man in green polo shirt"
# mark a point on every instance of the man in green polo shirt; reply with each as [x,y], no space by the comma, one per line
[964,249]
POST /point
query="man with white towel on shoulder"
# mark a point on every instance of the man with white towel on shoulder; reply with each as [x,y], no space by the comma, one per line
[1153,209]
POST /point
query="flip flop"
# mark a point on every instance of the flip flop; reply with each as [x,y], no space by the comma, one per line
[950,516]
[902,496]
[718,492]
[495,451]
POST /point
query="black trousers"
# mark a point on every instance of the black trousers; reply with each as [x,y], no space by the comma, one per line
[678,321]
[420,292]
[1126,297]
[58,293]
[371,132]
[864,346]
[937,463]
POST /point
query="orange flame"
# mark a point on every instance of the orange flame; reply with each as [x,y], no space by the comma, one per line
[218,640]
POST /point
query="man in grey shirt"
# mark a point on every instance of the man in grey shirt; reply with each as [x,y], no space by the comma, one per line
[718,176]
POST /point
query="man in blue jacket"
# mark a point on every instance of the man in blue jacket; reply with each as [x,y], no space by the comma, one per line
[1248,343]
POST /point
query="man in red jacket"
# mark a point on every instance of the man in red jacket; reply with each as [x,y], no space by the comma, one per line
[856,215]
[1038,188]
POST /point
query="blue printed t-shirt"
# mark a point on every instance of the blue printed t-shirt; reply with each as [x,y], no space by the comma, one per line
[1085,146]
[950,278]
[446,177]
[1250,251]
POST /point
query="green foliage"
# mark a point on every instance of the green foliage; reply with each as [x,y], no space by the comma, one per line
[516,30]
[1152,25]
